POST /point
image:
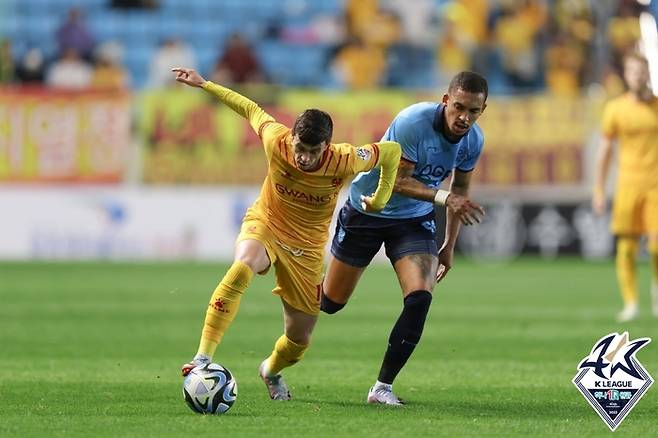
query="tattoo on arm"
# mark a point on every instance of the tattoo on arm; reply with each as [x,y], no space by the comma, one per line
[407,185]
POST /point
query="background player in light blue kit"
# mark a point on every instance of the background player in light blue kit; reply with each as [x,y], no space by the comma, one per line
[438,140]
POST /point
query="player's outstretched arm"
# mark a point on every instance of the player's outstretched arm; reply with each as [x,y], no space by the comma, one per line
[389,158]
[457,201]
[237,102]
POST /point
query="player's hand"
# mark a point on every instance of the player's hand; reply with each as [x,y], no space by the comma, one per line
[598,203]
[366,204]
[445,262]
[467,211]
[188,76]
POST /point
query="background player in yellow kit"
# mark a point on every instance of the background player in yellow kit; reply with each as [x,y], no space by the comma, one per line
[287,226]
[632,120]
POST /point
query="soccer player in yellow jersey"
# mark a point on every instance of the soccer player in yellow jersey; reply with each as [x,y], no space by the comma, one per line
[287,226]
[632,120]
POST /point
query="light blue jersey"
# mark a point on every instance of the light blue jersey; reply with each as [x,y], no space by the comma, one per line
[418,130]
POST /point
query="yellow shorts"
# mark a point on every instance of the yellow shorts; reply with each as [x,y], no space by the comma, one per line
[635,212]
[298,272]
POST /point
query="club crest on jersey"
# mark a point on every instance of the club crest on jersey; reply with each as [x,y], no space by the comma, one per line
[611,378]
[363,153]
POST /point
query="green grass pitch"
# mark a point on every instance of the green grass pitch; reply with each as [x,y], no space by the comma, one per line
[95,349]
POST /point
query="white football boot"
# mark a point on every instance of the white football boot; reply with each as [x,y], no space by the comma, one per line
[383,394]
[275,384]
[198,360]
[629,313]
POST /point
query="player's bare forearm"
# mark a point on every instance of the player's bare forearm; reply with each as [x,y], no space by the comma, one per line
[407,185]
[453,226]
[464,209]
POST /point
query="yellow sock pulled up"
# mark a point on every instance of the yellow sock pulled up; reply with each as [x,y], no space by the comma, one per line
[285,354]
[626,269]
[223,306]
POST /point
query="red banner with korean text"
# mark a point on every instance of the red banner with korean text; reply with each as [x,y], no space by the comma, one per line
[71,137]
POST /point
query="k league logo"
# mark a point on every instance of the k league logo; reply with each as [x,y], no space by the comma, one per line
[611,378]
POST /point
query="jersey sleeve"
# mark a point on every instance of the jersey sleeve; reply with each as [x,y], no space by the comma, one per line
[608,121]
[258,118]
[403,132]
[385,155]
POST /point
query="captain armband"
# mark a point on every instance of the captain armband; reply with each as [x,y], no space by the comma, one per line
[441,197]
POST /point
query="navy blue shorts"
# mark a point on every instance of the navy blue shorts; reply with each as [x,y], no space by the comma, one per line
[359,236]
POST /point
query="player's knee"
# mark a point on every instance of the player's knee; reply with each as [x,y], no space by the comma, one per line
[329,306]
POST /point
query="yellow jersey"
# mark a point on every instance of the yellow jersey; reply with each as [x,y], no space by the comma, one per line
[299,205]
[635,125]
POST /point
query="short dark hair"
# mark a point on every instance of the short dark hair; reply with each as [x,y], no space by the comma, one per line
[313,126]
[470,82]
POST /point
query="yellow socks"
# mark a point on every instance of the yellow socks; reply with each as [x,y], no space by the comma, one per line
[286,353]
[223,306]
[653,259]
[626,270]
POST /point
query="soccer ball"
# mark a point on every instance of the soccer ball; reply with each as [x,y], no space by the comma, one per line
[210,389]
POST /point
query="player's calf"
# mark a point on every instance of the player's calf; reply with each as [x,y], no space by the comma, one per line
[405,335]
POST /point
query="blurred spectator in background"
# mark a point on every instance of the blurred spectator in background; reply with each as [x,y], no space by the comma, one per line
[375,27]
[109,72]
[70,72]
[624,28]
[31,68]
[567,58]
[564,65]
[613,84]
[6,62]
[454,44]
[74,34]
[238,64]
[418,23]
[361,62]
[516,31]
[358,66]
[172,53]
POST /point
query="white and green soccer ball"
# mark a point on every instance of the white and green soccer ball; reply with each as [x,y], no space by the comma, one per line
[210,389]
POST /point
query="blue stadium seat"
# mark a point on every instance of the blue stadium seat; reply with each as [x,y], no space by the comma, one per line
[294,64]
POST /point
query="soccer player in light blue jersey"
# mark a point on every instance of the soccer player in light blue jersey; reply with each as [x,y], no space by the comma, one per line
[439,140]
